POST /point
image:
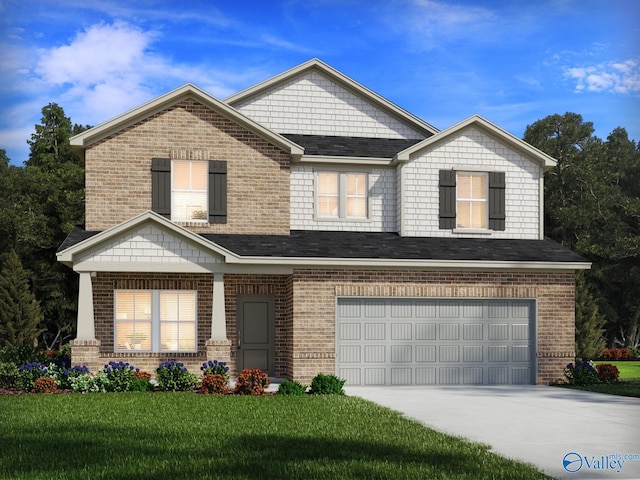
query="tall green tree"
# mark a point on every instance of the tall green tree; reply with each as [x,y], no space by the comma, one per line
[49,201]
[20,316]
[590,340]
[592,205]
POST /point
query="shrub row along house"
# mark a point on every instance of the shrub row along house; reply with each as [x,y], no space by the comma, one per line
[309,225]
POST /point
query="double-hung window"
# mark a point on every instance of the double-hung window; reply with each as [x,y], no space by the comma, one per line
[189,191]
[471,200]
[155,320]
[342,195]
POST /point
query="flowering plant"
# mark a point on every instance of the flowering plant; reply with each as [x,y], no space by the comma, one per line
[117,376]
[44,385]
[213,383]
[63,376]
[214,367]
[28,373]
[173,376]
[582,373]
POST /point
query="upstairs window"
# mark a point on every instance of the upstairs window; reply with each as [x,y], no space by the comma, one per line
[155,320]
[471,200]
[342,195]
[189,191]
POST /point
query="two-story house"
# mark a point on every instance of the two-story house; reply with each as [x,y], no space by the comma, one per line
[308,225]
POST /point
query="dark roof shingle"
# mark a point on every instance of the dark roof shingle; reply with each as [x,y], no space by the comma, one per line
[335,146]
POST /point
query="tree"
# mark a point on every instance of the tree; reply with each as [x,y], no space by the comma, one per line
[592,205]
[590,341]
[20,314]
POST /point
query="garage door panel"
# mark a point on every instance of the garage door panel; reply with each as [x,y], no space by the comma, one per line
[401,376]
[472,376]
[375,331]
[472,353]
[449,353]
[473,331]
[431,342]
[375,353]
[401,331]
[350,354]
[449,331]
[426,331]
[425,353]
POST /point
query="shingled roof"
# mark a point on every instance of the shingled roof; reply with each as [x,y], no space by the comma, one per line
[312,244]
[335,146]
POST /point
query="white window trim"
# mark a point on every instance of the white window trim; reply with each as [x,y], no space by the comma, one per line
[183,190]
[485,230]
[156,346]
[342,196]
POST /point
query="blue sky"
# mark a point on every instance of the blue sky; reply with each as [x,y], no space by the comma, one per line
[511,61]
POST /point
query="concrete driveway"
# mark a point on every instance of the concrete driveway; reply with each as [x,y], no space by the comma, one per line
[549,427]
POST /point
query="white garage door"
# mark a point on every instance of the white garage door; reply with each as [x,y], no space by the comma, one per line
[435,342]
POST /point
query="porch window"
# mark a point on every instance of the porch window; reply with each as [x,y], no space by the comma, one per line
[189,191]
[155,320]
[342,195]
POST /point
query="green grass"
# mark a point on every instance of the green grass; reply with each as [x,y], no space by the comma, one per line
[627,386]
[628,370]
[176,436]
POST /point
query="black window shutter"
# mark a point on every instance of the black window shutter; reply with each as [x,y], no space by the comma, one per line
[217,191]
[161,186]
[496,201]
[447,186]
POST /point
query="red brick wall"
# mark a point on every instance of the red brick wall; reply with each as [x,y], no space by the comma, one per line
[314,293]
[118,170]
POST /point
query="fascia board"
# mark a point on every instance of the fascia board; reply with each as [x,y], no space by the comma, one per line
[346,82]
[343,160]
[116,124]
[401,263]
[544,160]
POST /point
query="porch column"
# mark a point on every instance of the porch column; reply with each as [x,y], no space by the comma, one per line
[218,346]
[86,324]
[218,312]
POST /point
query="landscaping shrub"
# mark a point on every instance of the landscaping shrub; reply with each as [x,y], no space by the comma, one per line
[8,374]
[44,385]
[291,388]
[327,385]
[174,377]
[607,373]
[86,383]
[117,376]
[142,381]
[582,373]
[28,373]
[214,383]
[251,382]
[617,354]
[63,376]
[214,367]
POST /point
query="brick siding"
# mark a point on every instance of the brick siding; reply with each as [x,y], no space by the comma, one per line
[118,170]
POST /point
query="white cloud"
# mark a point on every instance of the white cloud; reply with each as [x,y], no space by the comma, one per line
[615,77]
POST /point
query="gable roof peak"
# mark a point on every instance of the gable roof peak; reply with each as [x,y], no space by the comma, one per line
[344,81]
[478,121]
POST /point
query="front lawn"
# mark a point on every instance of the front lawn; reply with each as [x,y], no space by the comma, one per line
[628,370]
[186,435]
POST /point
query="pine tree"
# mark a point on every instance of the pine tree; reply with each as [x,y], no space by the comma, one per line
[590,340]
[20,315]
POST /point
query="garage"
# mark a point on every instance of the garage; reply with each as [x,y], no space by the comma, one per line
[382,341]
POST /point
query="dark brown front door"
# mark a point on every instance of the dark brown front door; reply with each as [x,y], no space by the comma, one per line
[255,332]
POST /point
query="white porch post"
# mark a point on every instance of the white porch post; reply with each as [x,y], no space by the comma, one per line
[218,312]
[86,325]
